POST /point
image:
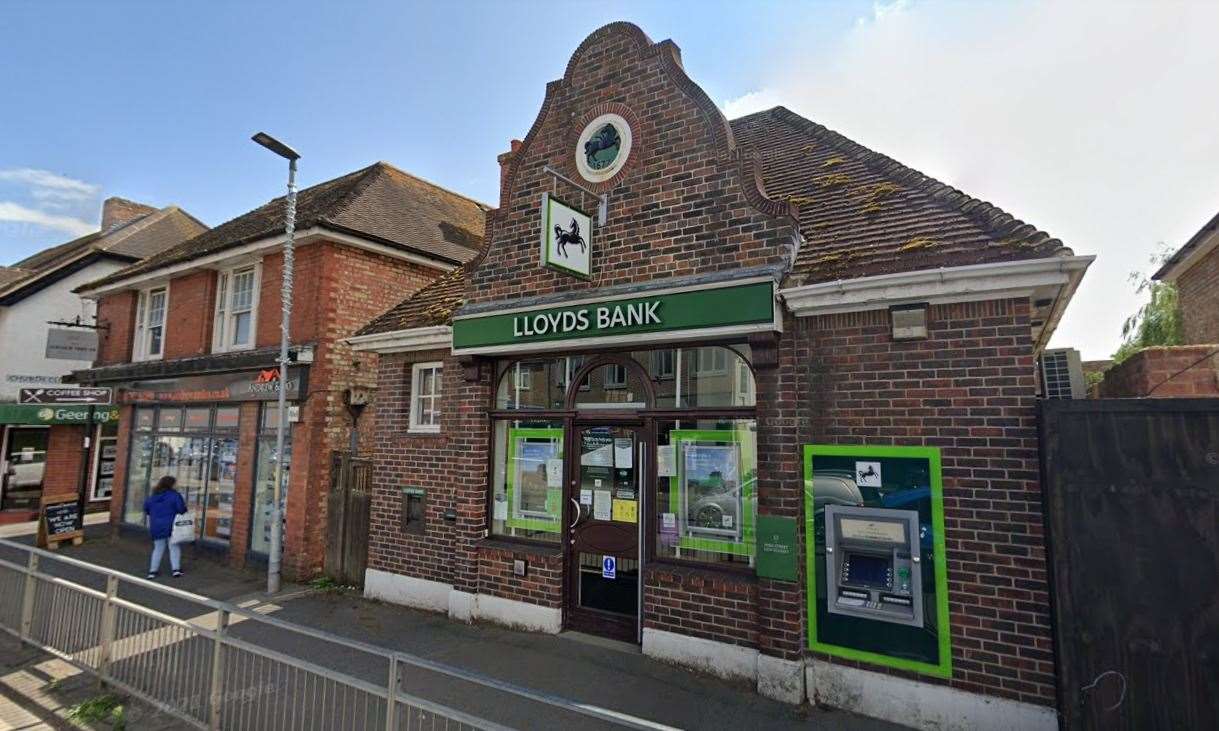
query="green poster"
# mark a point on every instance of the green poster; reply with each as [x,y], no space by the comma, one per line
[776,547]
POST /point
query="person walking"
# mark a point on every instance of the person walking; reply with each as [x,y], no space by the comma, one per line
[162,506]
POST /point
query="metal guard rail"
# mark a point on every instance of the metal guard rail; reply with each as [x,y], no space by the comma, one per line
[156,657]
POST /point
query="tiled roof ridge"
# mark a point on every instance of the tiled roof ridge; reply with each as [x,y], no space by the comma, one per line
[366,176]
[394,168]
[991,218]
[111,237]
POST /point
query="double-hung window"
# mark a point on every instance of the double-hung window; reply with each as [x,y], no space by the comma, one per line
[236,305]
[425,397]
[150,323]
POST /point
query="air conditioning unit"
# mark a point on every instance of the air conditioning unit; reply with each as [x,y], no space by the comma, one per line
[1062,374]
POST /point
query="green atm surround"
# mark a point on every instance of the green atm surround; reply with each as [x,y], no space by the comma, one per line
[861,639]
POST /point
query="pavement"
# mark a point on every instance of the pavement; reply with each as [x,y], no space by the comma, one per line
[605,674]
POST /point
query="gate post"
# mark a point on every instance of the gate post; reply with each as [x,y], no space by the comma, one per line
[107,629]
[27,599]
[216,698]
[391,698]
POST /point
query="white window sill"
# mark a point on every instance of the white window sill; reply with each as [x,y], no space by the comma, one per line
[423,430]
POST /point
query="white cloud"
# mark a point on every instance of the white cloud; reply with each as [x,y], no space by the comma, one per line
[1092,120]
[45,185]
[16,213]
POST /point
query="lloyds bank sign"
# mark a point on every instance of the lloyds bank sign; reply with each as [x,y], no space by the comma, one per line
[740,307]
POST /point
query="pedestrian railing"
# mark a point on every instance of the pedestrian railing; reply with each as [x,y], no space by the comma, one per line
[217,665]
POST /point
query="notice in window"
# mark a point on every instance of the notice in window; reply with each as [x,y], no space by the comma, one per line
[626,511]
[602,505]
[664,461]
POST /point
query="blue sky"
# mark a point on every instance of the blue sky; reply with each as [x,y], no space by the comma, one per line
[1092,120]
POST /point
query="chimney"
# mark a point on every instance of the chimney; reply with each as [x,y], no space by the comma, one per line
[505,159]
[116,211]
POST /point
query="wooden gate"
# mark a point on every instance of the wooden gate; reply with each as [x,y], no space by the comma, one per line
[347,516]
[1132,507]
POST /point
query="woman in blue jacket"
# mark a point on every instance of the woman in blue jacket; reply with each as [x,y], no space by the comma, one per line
[162,506]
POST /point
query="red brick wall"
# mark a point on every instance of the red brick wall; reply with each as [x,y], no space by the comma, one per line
[61,477]
[1198,293]
[247,437]
[542,583]
[706,604]
[117,312]
[189,317]
[1181,371]
[969,390]
[684,203]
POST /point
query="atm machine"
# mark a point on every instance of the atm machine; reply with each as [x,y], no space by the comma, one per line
[872,563]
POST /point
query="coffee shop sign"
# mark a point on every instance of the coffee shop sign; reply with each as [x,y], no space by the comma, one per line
[599,317]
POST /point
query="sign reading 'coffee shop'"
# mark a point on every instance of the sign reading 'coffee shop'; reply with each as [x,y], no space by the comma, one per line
[738,306]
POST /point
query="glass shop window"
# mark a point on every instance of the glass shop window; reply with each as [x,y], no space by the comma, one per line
[145,417]
[527,479]
[535,385]
[706,489]
[611,386]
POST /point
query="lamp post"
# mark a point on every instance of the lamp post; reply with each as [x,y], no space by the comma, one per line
[285,304]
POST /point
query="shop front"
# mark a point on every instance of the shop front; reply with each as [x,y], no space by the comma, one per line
[215,434]
[32,435]
[739,392]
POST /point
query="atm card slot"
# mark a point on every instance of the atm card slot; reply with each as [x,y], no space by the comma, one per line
[890,599]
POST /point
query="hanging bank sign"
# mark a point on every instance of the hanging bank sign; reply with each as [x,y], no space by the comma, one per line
[728,309]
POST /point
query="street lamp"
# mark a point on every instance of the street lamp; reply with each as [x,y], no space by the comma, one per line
[285,306]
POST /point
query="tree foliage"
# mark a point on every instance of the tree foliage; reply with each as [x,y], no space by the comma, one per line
[1158,321]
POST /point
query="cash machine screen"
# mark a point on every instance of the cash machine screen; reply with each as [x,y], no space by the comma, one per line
[868,570]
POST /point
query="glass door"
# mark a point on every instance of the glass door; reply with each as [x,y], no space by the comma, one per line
[604,499]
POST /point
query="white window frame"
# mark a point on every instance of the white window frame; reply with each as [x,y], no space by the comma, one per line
[140,349]
[658,358]
[718,357]
[615,383]
[222,315]
[416,396]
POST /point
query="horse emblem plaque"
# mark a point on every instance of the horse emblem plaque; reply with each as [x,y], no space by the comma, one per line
[566,237]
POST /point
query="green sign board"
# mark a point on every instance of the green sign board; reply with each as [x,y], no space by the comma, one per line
[743,304]
[35,414]
[776,547]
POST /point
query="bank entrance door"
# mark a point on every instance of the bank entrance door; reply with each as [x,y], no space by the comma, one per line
[605,508]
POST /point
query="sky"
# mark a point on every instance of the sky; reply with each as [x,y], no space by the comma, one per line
[1093,120]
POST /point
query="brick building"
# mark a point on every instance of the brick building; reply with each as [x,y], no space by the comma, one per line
[45,329]
[773,417]
[1189,370]
[192,347]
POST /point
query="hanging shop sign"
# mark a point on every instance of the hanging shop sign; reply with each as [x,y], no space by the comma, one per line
[567,237]
[66,395]
[64,344]
[875,567]
[723,309]
[260,385]
[29,414]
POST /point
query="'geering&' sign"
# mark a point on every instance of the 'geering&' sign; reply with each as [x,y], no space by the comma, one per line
[598,317]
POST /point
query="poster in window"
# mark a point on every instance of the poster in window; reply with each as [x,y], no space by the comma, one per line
[533,486]
[712,490]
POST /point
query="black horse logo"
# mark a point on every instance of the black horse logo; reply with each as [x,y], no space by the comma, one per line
[571,236]
[865,474]
[606,138]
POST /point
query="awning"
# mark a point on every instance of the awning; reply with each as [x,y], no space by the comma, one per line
[40,415]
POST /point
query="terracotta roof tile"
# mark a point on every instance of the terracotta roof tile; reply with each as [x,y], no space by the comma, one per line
[863,214]
[379,201]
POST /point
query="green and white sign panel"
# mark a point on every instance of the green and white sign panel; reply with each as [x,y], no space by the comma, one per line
[567,237]
[728,309]
[886,479]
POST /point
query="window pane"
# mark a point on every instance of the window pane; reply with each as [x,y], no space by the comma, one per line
[534,385]
[243,290]
[144,418]
[715,376]
[706,488]
[241,329]
[156,308]
[527,491]
[264,492]
[137,478]
[270,417]
[198,418]
[171,419]
[221,484]
[611,386]
[226,417]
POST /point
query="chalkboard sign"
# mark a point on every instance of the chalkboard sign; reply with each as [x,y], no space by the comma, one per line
[60,519]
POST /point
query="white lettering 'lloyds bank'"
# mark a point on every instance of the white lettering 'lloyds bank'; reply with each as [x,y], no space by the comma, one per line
[605,317]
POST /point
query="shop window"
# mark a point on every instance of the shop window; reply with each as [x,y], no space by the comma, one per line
[170,419]
[197,419]
[706,489]
[527,484]
[105,455]
[535,385]
[145,418]
[711,361]
[236,308]
[150,323]
[264,477]
[227,417]
[715,377]
[612,386]
[663,364]
[425,397]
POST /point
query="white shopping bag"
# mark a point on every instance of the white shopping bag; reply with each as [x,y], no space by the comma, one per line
[184,529]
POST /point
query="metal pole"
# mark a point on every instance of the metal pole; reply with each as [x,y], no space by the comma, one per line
[285,301]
